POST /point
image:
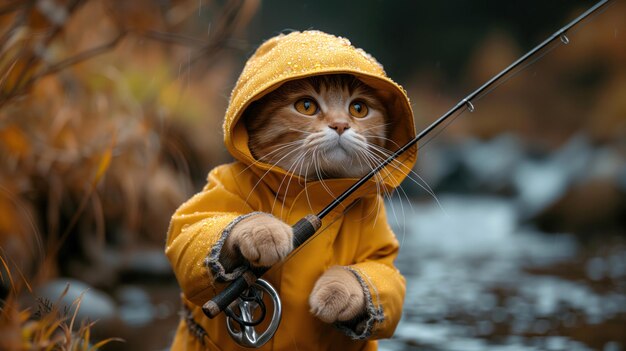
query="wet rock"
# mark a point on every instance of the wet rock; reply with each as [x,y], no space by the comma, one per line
[612,346]
[437,166]
[472,276]
[606,163]
[617,265]
[540,183]
[596,268]
[578,189]
[136,310]
[491,164]
[472,227]
[101,271]
[472,165]
[595,206]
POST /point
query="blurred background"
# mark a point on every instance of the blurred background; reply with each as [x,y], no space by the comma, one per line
[111,113]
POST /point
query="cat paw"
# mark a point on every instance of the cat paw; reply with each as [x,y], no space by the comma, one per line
[261,239]
[337,296]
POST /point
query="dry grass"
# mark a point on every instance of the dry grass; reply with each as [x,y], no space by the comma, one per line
[100,108]
[51,327]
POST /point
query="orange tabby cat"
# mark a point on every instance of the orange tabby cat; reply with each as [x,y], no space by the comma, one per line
[329,126]
[308,113]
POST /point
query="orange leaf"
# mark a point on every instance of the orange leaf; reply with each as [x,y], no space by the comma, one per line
[14,140]
[105,162]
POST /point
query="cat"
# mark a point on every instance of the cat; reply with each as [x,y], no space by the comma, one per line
[309,113]
[329,126]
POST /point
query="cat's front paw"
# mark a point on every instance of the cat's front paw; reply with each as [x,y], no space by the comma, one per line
[261,239]
[337,296]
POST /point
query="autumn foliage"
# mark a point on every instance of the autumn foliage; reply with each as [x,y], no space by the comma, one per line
[104,108]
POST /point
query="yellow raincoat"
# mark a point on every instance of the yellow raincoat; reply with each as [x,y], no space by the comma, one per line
[359,238]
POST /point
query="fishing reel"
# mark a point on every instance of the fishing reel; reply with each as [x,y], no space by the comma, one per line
[241,320]
[243,297]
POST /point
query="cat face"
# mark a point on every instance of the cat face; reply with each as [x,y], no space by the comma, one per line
[331,126]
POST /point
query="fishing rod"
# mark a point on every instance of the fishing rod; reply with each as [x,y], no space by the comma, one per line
[306,227]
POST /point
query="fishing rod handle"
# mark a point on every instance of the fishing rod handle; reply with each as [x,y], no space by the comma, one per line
[302,231]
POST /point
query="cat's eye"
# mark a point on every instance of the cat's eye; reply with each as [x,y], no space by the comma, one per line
[358,109]
[306,106]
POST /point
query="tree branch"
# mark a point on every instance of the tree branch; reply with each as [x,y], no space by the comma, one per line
[80,57]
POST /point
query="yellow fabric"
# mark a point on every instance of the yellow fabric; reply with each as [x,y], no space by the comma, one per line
[360,238]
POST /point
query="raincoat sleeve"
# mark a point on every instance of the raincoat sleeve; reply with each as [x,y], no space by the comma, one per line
[382,283]
[197,232]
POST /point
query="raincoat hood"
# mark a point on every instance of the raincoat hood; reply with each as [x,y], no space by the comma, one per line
[310,53]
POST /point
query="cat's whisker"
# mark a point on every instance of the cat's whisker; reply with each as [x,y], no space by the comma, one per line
[392,204]
[398,165]
[371,136]
[267,156]
[381,191]
[320,178]
[373,163]
[316,166]
[401,167]
[290,174]
[381,137]
[360,161]
[315,160]
[376,137]
[386,153]
[316,140]
[376,126]
[301,162]
[277,194]
[301,131]
[306,190]
[269,170]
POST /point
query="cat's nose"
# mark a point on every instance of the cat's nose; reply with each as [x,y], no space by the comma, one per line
[339,127]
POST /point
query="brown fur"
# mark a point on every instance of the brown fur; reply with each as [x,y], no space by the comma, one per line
[261,239]
[337,296]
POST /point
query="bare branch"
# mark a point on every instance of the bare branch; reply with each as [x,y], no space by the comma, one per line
[80,57]
[20,19]
[222,34]
[173,38]
[12,7]
[31,56]
[59,66]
